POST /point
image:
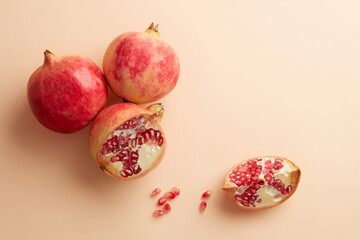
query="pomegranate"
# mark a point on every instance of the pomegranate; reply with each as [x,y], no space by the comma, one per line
[66,93]
[127,140]
[140,67]
[262,182]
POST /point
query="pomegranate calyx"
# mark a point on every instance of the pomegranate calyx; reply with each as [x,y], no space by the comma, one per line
[154,30]
[158,111]
[49,57]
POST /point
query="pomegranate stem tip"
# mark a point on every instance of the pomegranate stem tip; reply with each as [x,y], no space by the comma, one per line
[153,29]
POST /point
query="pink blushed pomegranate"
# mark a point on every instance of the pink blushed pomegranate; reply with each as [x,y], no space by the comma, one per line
[140,67]
[262,182]
[127,140]
[66,93]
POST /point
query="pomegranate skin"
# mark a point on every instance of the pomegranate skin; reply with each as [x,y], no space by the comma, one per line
[140,67]
[109,119]
[66,93]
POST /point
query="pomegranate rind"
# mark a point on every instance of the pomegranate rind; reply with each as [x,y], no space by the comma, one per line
[294,180]
[66,93]
[140,67]
[110,119]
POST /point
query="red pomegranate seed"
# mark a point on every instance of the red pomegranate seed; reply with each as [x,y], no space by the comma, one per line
[158,213]
[175,191]
[207,194]
[169,195]
[156,192]
[203,206]
[166,208]
[161,201]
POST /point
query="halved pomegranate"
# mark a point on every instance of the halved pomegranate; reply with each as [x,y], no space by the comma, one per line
[262,182]
[127,140]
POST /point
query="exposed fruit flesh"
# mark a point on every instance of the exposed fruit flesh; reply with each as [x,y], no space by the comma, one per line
[206,194]
[133,145]
[158,213]
[262,182]
[203,206]
[166,208]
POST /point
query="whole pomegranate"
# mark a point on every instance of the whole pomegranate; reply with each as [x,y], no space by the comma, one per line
[262,182]
[127,141]
[66,93]
[140,67]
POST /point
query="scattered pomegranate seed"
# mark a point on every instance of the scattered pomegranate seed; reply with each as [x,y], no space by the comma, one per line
[161,201]
[169,195]
[203,206]
[166,208]
[158,213]
[207,194]
[156,191]
[175,191]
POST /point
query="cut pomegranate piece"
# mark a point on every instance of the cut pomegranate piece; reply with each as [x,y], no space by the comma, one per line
[175,191]
[203,206]
[166,208]
[156,191]
[206,194]
[262,182]
[158,213]
[127,140]
[161,201]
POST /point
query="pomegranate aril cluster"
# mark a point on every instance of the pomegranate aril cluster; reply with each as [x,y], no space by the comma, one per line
[249,197]
[246,173]
[246,176]
[163,201]
[131,136]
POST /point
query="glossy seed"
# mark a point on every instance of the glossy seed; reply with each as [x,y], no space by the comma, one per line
[156,191]
[206,194]
[158,213]
[203,206]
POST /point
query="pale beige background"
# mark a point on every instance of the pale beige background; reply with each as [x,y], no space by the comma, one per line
[257,78]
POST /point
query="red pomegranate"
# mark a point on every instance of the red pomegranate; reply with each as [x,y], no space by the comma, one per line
[127,140]
[262,182]
[66,93]
[140,67]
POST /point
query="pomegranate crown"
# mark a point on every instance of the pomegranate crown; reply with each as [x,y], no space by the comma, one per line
[154,30]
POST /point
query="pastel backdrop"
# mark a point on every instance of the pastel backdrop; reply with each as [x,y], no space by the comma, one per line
[257,78]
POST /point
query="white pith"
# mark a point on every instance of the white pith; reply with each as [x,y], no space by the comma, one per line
[149,153]
[269,195]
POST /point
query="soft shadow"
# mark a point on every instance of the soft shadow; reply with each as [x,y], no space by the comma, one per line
[113,98]
[73,150]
